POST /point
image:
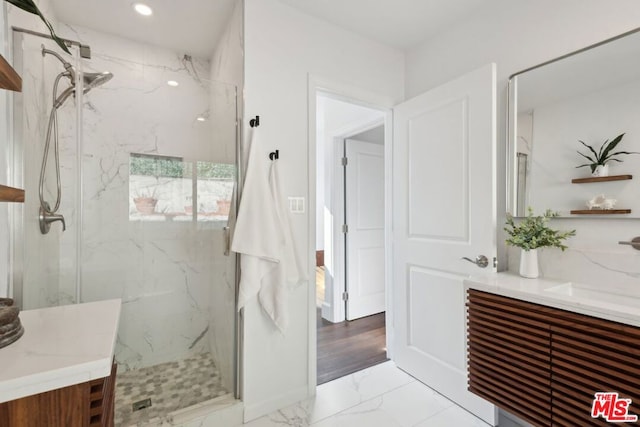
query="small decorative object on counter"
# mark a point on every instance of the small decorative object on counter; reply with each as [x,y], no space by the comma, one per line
[531,233]
[601,202]
[598,160]
[10,327]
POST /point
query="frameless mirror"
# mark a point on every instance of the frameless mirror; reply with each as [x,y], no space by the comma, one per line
[592,95]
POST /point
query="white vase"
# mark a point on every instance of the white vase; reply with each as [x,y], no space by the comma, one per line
[529,263]
[601,170]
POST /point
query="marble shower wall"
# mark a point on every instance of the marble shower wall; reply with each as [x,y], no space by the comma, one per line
[49,261]
[166,272]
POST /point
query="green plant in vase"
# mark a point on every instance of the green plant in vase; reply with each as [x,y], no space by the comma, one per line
[529,234]
[598,159]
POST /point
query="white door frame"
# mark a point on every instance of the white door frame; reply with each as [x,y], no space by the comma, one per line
[335,311]
[369,99]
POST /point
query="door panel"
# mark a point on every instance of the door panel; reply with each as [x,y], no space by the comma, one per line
[431,294]
[447,127]
[364,181]
[443,209]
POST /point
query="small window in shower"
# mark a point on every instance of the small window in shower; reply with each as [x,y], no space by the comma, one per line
[163,188]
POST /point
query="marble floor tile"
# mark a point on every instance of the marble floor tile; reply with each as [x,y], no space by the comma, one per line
[369,414]
[453,416]
[413,403]
[381,396]
[374,381]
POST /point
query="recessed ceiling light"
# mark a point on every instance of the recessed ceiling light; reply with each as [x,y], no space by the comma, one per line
[142,9]
[173,83]
[201,119]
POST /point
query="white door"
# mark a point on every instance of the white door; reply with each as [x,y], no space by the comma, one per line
[364,206]
[443,209]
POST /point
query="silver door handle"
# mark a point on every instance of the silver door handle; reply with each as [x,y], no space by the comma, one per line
[481,261]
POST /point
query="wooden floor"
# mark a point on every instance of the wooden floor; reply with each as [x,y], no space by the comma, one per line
[347,347]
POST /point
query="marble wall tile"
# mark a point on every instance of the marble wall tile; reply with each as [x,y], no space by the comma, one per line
[594,257]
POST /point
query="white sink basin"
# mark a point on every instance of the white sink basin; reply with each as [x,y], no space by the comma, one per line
[593,296]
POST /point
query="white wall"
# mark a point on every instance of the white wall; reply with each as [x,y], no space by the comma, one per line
[516,34]
[282,48]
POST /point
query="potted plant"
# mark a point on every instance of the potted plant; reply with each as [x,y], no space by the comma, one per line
[531,233]
[598,160]
[146,201]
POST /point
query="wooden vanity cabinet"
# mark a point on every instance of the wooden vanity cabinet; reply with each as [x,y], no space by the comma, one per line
[544,364]
[509,356]
[589,355]
[89,404]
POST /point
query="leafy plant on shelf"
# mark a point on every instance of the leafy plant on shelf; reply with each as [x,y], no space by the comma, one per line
[30,6]
[532,232]
[604,155]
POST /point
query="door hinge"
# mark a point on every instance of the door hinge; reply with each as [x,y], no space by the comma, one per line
[495,262]
[345,161]
[345,296]
[345,228]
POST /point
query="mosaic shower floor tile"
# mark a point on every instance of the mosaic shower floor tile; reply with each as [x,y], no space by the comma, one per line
[170,386]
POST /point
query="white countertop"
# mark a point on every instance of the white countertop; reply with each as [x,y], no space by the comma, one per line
[61,346]
[576,297]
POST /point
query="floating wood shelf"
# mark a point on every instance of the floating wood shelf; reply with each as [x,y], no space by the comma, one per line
[601,212]
[10,194]
[601,179]
[9,79]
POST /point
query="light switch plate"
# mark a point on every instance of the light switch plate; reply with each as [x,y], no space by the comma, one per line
[296,205]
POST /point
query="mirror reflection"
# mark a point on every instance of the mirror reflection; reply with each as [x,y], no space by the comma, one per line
[592,96]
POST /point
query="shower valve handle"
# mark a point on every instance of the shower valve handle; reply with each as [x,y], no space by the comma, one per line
[46,218]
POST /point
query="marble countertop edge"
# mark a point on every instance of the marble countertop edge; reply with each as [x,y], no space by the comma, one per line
[536,291]
[38,362]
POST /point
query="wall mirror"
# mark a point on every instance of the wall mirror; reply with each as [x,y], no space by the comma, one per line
[591,95]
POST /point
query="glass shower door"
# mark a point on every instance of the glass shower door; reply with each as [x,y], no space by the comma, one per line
[158,174]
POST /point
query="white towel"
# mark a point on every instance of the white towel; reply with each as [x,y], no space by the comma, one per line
[264,239]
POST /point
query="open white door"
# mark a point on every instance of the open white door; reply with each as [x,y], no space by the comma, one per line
[444,196]
[364,206]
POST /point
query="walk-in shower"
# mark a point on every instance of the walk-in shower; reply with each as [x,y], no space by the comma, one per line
[47,214]
[144,175]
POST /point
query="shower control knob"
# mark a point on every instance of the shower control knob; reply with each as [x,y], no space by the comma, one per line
[46,218]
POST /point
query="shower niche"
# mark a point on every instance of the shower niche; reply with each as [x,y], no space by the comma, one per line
[119,137]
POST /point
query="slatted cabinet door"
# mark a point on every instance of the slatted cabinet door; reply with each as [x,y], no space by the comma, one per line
[509,360]
[590,355]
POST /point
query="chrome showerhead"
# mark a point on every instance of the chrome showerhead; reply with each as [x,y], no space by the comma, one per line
[89,80]
[92,80]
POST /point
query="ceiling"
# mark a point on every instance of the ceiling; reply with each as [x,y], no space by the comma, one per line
[402,24]
[194,26]
[189,26]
